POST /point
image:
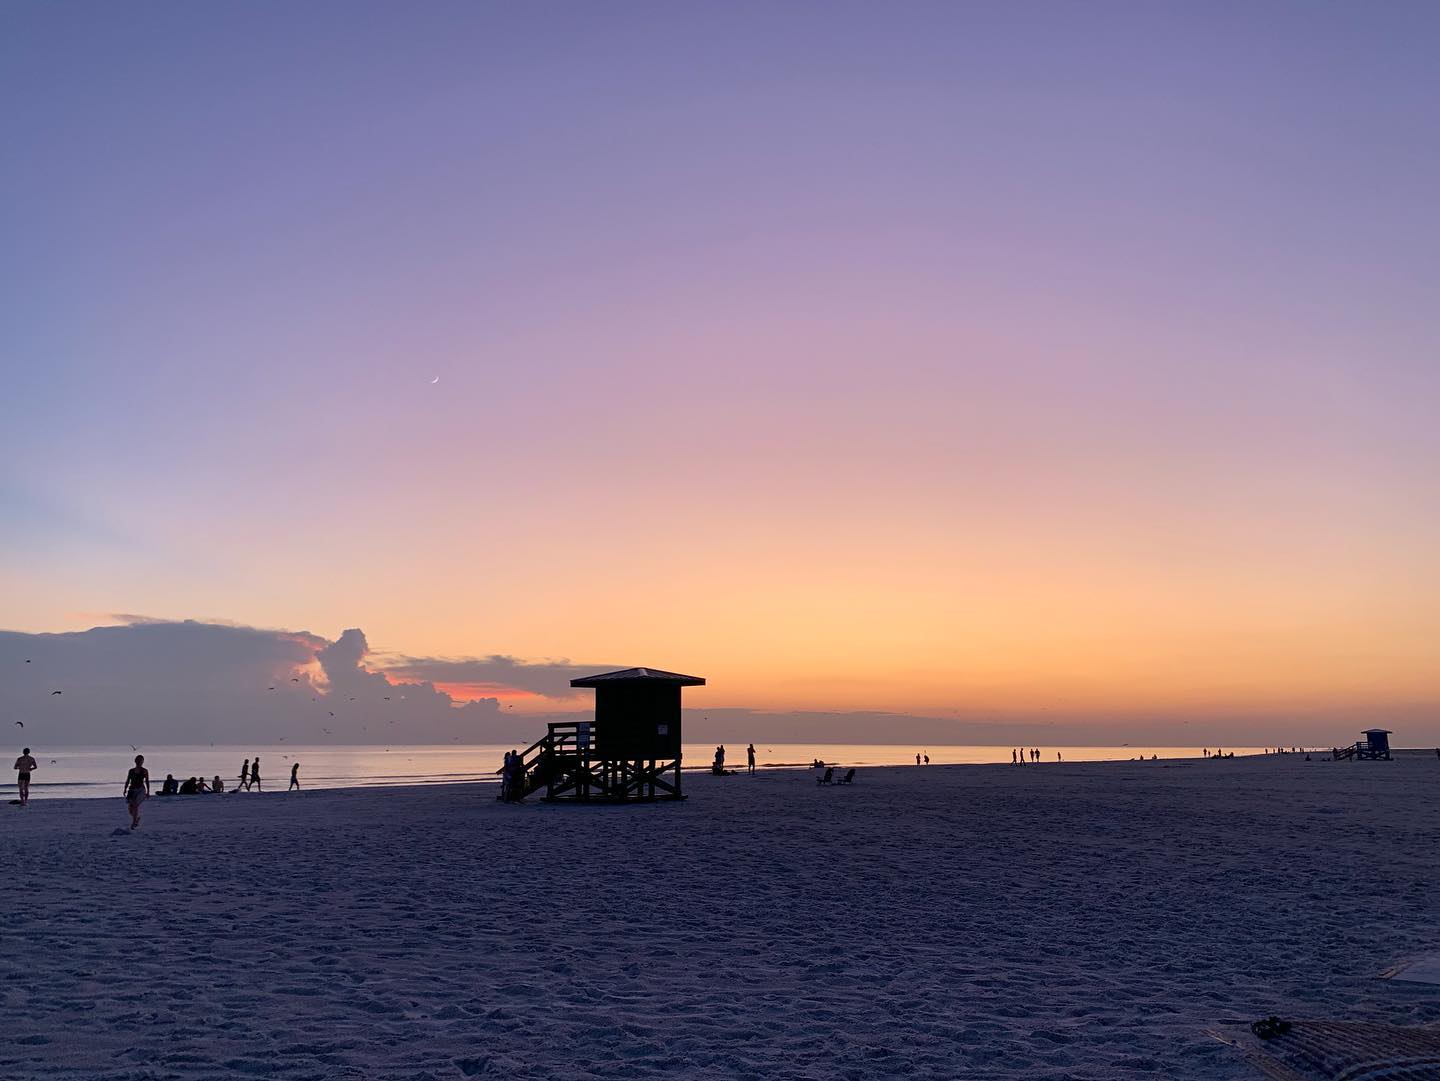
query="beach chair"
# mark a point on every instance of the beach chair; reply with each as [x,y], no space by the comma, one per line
[829,777]
[849,777]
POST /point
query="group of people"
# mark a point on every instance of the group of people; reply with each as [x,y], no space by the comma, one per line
[191,787]
[717,767]
[512,778]
[1216,753]
[1020,755]
[137,784]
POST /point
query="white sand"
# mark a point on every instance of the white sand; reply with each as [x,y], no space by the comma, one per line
[1085,921]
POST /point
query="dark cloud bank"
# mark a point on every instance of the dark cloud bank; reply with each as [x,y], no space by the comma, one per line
[161,681]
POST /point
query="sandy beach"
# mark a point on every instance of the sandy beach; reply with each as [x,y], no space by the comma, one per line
[1051,921]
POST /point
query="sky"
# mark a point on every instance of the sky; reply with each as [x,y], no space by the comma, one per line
[1008,361]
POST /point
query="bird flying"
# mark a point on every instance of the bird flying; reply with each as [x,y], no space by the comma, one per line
[54,692]
[20,723]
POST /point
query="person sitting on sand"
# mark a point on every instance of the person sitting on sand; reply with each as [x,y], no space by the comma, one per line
[23,767]
[217,785]
[255,774]
[244,777]
[137,789]
[201,786]
[170,786]
[188,787]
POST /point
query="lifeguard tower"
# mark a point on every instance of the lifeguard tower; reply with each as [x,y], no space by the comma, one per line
[629,752]
[1375,747]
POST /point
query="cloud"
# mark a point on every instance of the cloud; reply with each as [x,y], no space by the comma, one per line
[497,673]
[187,681]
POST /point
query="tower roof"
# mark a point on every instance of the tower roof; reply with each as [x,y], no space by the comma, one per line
[637,675]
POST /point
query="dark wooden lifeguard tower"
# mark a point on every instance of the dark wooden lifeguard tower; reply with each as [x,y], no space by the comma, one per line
[1375,747]
[631,751]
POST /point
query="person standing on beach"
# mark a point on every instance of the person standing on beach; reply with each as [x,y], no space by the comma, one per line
[137,789]
[244,785]
[750,756]
[255,774]
[917,758]
[23,765]
[1058,758]
[294,777]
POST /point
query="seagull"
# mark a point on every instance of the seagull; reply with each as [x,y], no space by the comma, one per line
[52,761]
[27,660]
[387,698]
[294,679]
[332,713]
[20,723]
[54,692]
[269,688]
[435,380]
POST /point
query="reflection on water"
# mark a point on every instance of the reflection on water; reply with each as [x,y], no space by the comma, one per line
[100,771]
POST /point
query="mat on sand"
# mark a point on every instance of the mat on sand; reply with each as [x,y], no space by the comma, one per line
[1342,1051]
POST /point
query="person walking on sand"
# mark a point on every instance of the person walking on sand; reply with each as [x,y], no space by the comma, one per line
[1058,758]
[750,757]
[244,785]
[294,777]
[137,789]
[23,767]
[255,774]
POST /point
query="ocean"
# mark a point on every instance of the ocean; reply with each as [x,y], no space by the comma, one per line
[97,772]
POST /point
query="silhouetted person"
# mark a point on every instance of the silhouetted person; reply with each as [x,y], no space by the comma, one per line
[927,759]
[1035,754]
[1058,758]
[137,789]
[188,788]
[1014,757]
[201,786]
[255,774]
[170,786]
[750,757]
[244,777]
[24,765]
[218,785]
[917,758]
[294,776]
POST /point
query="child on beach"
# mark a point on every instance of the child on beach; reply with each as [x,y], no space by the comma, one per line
[137,789]
[294,777]
[23,766]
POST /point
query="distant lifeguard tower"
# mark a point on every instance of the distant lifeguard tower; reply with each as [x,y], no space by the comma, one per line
[630,752]
[1375,747]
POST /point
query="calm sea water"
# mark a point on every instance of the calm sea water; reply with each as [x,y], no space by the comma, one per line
[100,771]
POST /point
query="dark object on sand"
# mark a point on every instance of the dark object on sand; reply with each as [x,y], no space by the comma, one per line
[629,752]
[849,777]
[1269,1027]
[829,777]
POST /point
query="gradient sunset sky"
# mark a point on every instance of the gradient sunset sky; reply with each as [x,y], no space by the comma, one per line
[918,357]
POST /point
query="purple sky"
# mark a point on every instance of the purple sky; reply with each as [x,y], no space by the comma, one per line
[906,356]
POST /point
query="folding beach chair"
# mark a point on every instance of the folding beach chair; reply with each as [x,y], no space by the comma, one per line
[849,777]
[829,777]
